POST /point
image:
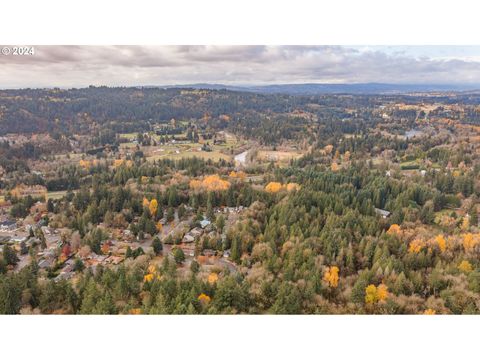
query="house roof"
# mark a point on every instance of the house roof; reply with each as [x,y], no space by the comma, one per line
[188,238]
[204,223]
[382,212]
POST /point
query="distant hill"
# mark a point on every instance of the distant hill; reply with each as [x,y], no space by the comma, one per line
[315,89]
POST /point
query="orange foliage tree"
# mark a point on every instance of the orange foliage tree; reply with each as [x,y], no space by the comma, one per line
[382,292]
[293,186]
[394,229]
[210,183]
[273,187]
[238,175]
[105,248]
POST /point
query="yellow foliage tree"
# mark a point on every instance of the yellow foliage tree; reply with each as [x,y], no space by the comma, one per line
[469,242]
[346,156]
[371,294]
[335,166]
[145,202]
[153,206]
[118,162]
[465,223]
[212,278]
[85,164]
[441,242]
[148,277]
[416,246]
[273,187]
[374,294]
[429,312]
[447,221]
[204,299]
[331,276]
[465,266]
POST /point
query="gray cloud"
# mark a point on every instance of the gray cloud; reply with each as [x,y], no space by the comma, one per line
[78,66]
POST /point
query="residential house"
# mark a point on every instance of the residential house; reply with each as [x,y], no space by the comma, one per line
[204,223]
[19,238]
[188,238]
[192,235]
[383,213]
[46,263]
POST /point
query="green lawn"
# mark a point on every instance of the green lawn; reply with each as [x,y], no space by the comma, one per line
[54,195]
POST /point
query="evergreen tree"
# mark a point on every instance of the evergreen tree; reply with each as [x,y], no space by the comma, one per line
[178,255]
[157,246]
[9,255]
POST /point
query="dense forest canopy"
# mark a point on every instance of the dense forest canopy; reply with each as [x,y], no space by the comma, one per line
[39,110]
[194,201]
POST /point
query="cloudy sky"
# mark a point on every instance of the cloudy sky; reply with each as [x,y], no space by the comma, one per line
[80,66]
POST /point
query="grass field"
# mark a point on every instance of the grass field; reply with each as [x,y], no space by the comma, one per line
[129,136]
[278,156]
[410,165]
[184,150]
[54,195]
